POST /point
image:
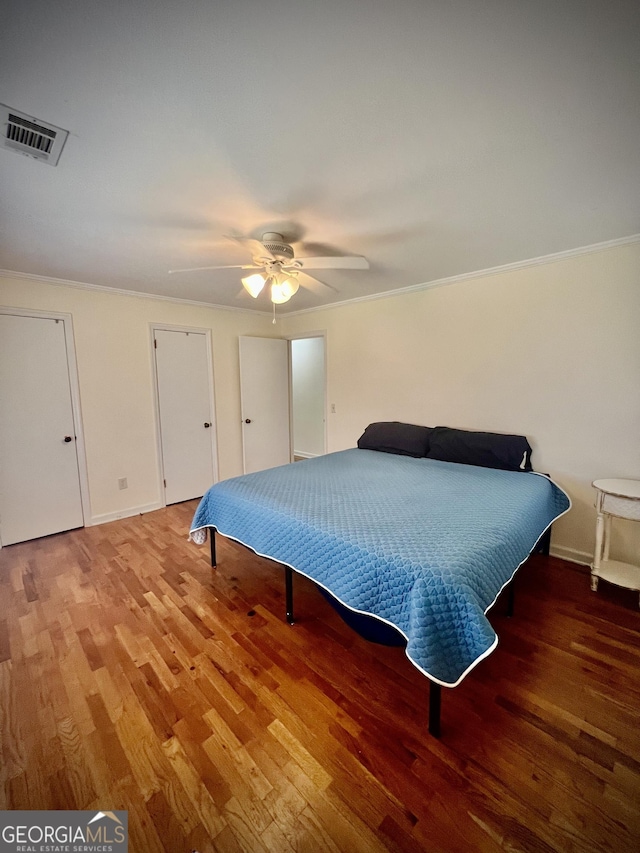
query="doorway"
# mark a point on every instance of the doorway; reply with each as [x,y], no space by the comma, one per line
[283,399]
[308,396]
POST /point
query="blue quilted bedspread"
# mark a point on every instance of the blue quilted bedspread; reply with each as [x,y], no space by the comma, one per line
[424,545]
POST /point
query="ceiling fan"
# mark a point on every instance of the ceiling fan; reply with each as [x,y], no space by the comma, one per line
[280,270]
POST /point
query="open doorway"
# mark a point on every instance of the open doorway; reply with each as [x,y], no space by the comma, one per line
[308,396]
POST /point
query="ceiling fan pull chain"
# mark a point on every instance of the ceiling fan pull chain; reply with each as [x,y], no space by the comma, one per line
[274,313]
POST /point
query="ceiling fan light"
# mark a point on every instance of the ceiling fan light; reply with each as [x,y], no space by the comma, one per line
[279,294]
[289,285]
[253,284]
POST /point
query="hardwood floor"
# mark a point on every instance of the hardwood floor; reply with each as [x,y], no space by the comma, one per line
[131,677]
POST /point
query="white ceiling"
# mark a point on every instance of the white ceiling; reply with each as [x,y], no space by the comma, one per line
[435,137]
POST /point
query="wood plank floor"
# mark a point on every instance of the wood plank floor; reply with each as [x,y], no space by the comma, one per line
[131,677]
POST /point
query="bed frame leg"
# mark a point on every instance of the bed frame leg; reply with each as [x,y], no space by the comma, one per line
[288,585]
[510,598]
[435,697]
[544,543]
[212,539]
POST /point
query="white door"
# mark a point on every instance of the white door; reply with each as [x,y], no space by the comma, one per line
[39,479]
[264,393]
[185,408]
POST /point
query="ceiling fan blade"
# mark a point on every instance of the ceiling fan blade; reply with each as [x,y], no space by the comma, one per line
[224,267]
[254,246]
[352,262]
[315,285]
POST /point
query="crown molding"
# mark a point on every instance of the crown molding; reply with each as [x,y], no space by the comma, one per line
[414,288]
[455,279]
[82,285]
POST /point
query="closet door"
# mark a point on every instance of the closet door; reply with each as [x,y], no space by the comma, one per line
[185,407]
[39,479]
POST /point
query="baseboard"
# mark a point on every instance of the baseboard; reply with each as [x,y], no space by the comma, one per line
[572,555]
[123,513]
[304,455]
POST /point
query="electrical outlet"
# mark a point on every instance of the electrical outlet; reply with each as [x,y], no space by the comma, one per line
[122,483]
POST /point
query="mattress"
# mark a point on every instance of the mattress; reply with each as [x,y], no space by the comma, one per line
[423,545]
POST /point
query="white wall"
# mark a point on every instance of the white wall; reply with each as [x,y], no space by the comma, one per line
[114,359]
[307,395]
[551,351]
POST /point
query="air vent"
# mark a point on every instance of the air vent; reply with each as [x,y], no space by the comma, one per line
[28,135]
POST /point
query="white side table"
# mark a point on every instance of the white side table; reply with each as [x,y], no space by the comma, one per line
[620,498]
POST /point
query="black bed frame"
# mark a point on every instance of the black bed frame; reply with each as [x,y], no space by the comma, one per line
[435,690]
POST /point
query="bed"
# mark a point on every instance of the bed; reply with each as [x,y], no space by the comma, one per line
[398,534]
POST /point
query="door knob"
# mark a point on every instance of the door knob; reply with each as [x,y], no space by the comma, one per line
[206,425]
[67,439]
[247,420]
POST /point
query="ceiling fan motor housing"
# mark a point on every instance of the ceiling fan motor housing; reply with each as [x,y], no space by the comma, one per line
[275,244]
